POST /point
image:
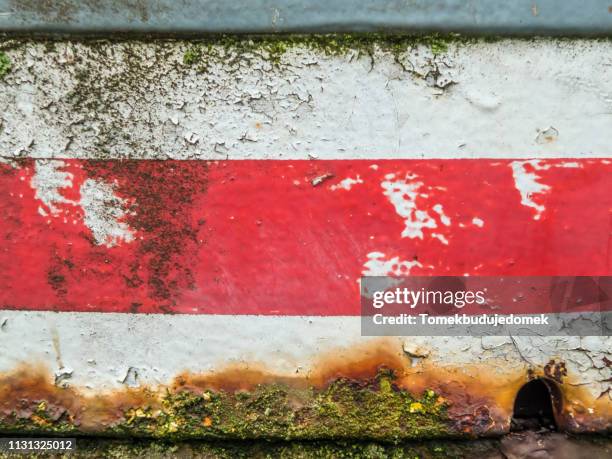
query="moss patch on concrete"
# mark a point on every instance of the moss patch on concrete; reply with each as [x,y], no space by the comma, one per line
[5,65]
[201,52]
[375,409]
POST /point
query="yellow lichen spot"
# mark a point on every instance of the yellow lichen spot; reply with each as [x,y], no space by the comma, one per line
[172,426]
[42,406]
[133,414]
[416,407]
[207,422]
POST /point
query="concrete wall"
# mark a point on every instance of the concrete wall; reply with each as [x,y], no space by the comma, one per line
[298,100]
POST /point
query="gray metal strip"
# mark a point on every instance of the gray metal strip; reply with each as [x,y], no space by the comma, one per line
[479,17]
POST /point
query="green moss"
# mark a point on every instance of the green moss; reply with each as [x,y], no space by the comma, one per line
[438,46]
[273,48]
[376,410]
[42,420]
[5,65]
[192,55]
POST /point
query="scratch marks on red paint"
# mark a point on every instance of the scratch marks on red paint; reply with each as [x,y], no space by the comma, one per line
[256,237]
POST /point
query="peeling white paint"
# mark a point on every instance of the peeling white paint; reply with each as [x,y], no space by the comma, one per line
[101,348]
[440,237]
[528,186]
[478,222]
[347,183]
[403,193]
[443,217]
[379,264]
[48,181]
[104,213]
[546,136]
[98,207]
[310,104]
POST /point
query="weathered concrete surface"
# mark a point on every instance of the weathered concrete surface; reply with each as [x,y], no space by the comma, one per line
[322,99]
[175,99]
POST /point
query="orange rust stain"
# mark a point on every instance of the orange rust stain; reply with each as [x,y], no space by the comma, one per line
[582,412]
[476,394]
[24,390]
[359,363]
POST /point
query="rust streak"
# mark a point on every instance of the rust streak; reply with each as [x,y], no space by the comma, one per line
[480,398]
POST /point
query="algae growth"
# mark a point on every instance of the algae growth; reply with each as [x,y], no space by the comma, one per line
[375,409]
[5,65]
[201,53]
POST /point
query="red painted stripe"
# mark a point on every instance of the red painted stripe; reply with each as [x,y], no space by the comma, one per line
[257,237]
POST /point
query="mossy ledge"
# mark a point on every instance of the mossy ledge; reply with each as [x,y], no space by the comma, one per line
[368,410]
[273,47]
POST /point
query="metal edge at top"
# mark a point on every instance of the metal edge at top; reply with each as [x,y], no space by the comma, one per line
[470,17]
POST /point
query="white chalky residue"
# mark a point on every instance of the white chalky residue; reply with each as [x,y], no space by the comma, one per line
[347,183]
[104,212]
[379,265]
[527,184]
[403,194]
[47,181]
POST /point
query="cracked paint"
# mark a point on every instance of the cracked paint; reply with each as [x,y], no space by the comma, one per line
[137,99]
[121,257]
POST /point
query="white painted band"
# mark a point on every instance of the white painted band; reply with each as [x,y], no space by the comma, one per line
[511,98]
[103,351]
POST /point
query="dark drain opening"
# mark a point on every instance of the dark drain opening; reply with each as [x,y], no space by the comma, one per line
[536,405]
